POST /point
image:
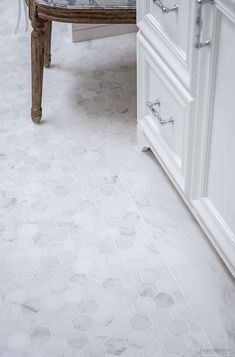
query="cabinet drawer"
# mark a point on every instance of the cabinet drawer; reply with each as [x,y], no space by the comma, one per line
[164,108]
[173,26]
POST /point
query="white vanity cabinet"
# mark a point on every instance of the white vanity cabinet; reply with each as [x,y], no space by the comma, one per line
[186,106]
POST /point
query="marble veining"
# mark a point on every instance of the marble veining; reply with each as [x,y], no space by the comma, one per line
[81,275]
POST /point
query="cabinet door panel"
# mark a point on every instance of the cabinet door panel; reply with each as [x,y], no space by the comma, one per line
[171,34]
[174,26]
[163,110]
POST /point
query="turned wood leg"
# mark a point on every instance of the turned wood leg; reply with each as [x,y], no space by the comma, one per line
[37,51]
[47,52]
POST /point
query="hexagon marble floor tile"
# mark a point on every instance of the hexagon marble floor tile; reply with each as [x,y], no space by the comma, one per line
[80,273]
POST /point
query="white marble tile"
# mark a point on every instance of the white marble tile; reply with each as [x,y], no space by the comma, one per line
[213,303]
[204,279]
[179,238]
[139,170]
[180,241]
[80,274]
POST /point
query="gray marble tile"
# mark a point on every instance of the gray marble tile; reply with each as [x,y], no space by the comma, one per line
[115,346]
[140,322]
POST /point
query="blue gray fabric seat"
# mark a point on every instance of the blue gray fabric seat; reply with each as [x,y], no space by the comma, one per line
[88,4]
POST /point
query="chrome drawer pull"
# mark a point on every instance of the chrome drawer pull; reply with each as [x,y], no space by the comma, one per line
[200,44]
[156,114]
[165,10]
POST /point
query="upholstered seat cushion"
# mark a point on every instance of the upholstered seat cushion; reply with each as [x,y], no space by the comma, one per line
[88,4]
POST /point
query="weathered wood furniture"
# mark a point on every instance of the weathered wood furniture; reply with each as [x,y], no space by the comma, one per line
[43,12]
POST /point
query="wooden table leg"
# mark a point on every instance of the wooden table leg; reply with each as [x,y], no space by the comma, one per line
[47,53]
[37,52]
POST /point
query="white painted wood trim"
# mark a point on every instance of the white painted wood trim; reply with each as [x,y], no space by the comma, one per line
[195,74]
